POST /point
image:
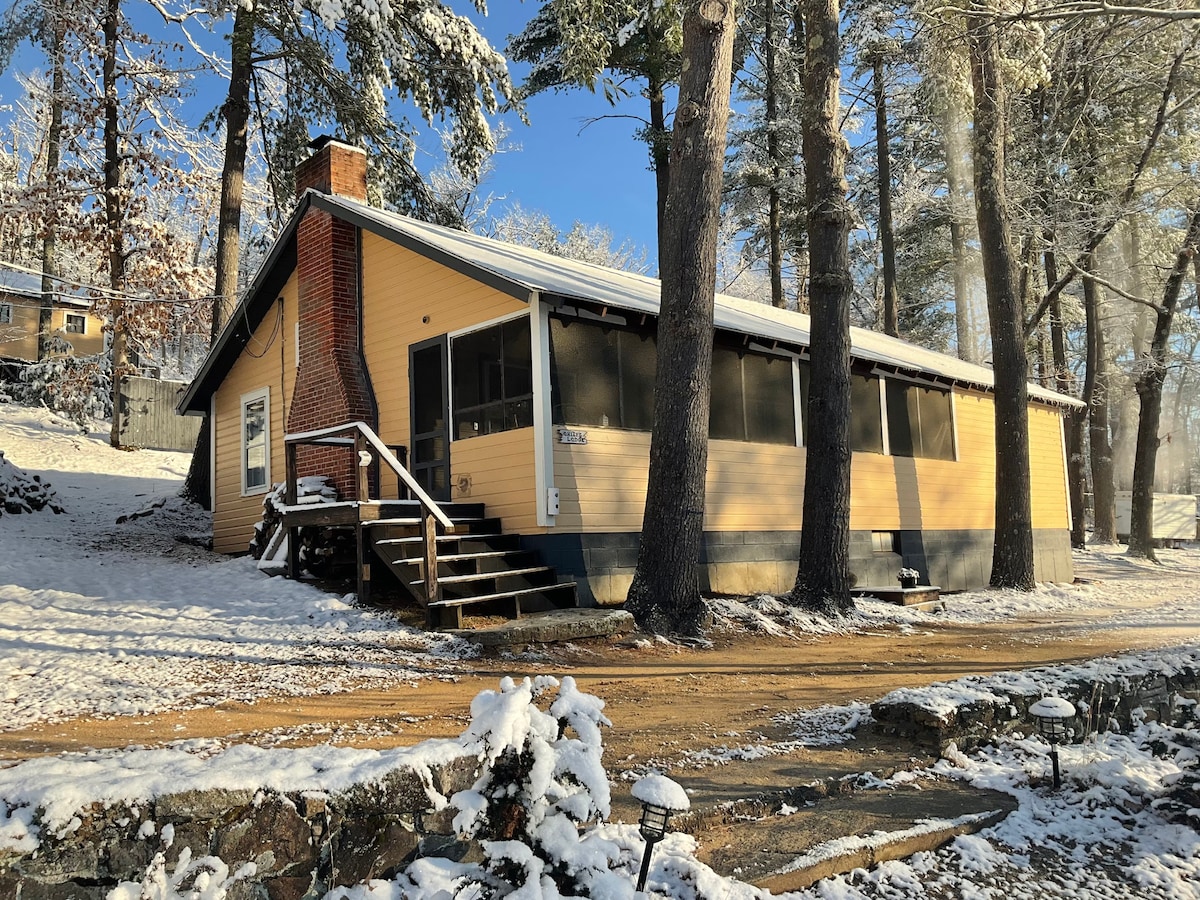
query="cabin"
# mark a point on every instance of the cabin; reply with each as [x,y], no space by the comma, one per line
[483,412]
[71,319]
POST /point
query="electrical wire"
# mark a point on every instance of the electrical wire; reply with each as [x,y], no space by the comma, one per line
[109,293]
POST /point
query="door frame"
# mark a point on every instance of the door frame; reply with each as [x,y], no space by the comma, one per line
[442,341]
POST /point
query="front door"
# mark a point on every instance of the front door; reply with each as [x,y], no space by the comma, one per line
[427,383]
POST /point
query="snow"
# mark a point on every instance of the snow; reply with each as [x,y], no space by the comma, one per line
[659,790]
[1053,708]
[113,619]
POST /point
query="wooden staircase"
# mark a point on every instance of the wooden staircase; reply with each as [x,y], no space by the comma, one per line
[478,567]
[447,556]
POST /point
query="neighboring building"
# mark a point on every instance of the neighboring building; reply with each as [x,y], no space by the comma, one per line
[71,318]
[524,381]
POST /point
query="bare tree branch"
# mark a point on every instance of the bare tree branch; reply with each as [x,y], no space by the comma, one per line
[1109,286]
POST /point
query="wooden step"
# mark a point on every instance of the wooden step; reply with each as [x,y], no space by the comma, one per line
[450,580]
[448,613]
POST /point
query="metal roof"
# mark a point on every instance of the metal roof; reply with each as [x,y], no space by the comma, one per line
[525,273]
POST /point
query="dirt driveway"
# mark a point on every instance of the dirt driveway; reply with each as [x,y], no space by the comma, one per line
[663,699]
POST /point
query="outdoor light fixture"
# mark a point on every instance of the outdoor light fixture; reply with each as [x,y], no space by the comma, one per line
[1051,714]
[660,797]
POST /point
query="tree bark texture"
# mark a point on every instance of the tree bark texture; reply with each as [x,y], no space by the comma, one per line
[236,113]
[1149,390]
[1064,383]
[665,594]
[53,160]
[1012,555]
[957,180]
[823,574]
[1096,396]
[114,213]
[660,154]
[883,163]
[774,202]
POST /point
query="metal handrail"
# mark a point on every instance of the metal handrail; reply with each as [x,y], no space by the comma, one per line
[352,435]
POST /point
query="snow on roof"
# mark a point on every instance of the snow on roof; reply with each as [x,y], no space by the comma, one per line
[29,284]
[536,271]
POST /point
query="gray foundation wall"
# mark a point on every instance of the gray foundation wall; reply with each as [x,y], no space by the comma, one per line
[757,562]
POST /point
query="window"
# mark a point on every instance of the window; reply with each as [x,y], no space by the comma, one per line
[866,415]
[601,375]
[492,379]
[884,542]
[919,421]
[6,313]
[752,398]
[74,324]
[256,442]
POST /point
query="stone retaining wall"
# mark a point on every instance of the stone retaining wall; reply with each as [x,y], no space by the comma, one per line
[302,844]
[989,708]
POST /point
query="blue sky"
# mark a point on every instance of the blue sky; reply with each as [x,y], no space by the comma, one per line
[598,174]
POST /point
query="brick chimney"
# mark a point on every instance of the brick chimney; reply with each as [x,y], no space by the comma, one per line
[332,384]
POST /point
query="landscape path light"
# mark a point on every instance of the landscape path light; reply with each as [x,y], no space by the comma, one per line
[1051,714]
[660,797]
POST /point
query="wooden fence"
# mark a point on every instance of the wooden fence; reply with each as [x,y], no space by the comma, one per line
[148,418]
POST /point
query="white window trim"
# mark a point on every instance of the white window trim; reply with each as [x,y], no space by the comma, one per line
[263,394]
[66,322]
[798,404]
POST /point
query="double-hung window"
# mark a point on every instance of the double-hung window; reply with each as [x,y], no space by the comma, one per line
[74,324]
[256,442]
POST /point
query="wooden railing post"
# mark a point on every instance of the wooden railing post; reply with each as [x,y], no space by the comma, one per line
[362,473]
[429,542]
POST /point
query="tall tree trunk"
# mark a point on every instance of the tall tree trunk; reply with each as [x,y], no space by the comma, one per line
[1096,395]
[53,160]
[957,179]
[883,162]
[235,111]
[1064,383]
[1012,556]
[114,212]
[774,201]
[665,594]
[823,574]
[1149,389]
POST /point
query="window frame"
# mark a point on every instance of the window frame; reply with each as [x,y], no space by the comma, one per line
[6,313]
[248,399]
[915,428]
[451,400]
[67,317]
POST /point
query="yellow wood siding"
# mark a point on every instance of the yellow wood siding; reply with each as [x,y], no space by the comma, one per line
[269,361]
[760,487]
[400,289]
[499,470]
[18,339]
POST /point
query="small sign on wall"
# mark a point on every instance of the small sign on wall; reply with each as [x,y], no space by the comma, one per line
[571,436]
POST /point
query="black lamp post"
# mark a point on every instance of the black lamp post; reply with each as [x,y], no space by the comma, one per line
[1051,714]
[660,797]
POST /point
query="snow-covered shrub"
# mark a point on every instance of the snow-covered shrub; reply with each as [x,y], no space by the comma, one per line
[22,493]
[79,387]
[205,878]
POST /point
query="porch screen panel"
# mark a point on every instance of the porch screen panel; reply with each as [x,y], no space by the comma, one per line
[919,420]
[866,415]
[770,412]
[639,355]
[584,374]
[937,432]
[727,411]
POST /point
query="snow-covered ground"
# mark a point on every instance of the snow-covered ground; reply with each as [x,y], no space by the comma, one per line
[108,617]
